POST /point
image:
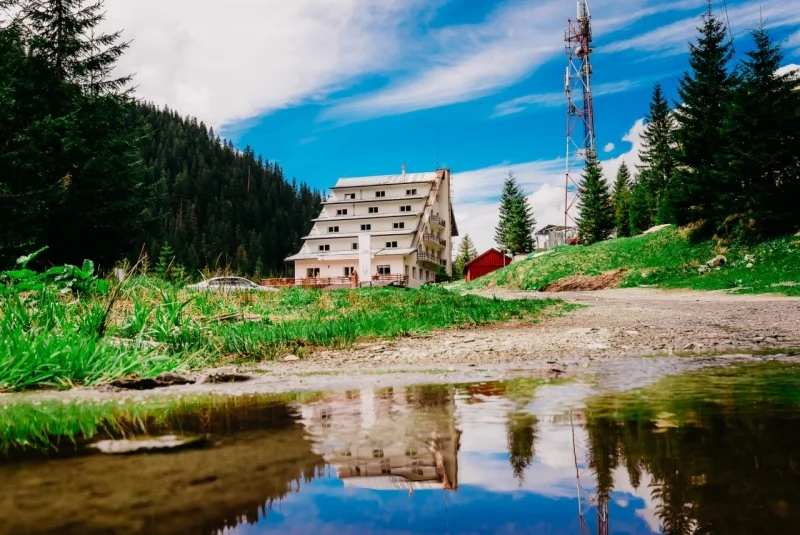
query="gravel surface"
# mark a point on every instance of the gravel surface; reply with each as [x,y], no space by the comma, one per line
[612,324]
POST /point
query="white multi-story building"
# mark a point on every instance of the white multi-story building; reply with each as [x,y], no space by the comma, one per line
[391,228]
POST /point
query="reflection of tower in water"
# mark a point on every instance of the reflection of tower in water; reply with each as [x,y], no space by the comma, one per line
[388,438]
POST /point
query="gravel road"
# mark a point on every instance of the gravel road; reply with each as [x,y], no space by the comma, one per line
[611,324]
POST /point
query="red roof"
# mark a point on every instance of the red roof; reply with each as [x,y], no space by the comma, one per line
[492,250]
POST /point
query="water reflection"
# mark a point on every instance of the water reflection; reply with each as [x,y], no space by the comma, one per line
[711,452]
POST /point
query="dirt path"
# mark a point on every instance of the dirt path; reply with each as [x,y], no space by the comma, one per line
[613,323]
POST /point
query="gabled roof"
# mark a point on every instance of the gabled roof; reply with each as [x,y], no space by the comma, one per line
[385,180]
[484,254]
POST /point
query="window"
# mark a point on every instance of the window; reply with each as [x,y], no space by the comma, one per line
[411,191]
[341,212]
[414,272]
[384,270]
[391,245]
[355,246]
[349,271]
[333,229]
[324,247]
[366,227]
[348,196]
[380,194]
[405,208]
[400,225]
[312,272]
[373,210]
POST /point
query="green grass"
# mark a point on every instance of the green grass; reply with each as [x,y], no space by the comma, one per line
[59,426]
[665,259]
[50,339]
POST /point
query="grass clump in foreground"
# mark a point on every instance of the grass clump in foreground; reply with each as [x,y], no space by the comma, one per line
[667,259]
[55,339]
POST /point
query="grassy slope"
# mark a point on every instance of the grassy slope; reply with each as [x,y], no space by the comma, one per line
[47,339]
[666,259]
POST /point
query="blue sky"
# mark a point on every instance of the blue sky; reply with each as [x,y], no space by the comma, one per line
[330,88]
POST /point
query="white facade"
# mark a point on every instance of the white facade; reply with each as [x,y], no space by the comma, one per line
[382,227]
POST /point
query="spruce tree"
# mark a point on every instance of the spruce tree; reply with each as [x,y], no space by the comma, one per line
[639,209]
[466,252]
[701,189]
[622,201]
[514,230]
[764,138]
[595,211]
[657,155]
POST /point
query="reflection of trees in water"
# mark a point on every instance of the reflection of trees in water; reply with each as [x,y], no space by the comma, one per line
[430,396]
[520,439]
[727,467]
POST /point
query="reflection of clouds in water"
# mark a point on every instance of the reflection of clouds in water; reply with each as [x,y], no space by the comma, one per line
[483,458]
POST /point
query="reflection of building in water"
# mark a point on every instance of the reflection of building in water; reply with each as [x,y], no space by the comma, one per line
[388,438]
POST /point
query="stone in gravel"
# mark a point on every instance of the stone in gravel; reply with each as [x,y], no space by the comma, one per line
[771,340]
[632,333]
[291,358]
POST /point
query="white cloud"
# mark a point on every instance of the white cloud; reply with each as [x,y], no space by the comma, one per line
[674,38]
[476,193]
[247,58]
[609,147]
[793,42]
[549,100]
[466,62]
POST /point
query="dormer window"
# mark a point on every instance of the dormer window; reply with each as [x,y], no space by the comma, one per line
[406,208]
[400,225]
[349,196]
[324,247]
[411,191]
[373,210]
[343,211]
[333,229]
[391,245]
[380,194]
[366,227]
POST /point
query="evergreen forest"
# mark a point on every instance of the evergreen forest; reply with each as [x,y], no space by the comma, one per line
[89,171]
[724,159]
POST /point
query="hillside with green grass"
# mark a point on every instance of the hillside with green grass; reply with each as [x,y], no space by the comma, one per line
[666,259]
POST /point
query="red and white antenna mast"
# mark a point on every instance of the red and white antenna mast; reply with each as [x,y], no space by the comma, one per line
[580,111]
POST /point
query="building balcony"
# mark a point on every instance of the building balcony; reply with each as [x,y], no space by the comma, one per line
[435,240]
[437,220]
[430,259]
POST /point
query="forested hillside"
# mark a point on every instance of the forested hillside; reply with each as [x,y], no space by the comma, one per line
[216,206]
[89,172]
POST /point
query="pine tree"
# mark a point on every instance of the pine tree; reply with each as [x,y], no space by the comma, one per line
[639,209]
[520,442]
[701,190]
[657,155]
[466,252]
[595,211]
[764,138]
[514,230]
[622,201]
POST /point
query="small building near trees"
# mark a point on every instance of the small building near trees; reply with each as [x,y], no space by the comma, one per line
[485,263]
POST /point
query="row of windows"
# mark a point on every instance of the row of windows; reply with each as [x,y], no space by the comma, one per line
[382,270]
[378,194]
[368,226]
[373,210]
[354,246]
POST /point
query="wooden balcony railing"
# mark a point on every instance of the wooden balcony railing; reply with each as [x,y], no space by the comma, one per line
[432,238]
[431,259]
[325,282]
[436,219]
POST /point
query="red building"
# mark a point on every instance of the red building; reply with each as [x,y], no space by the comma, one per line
[483,264]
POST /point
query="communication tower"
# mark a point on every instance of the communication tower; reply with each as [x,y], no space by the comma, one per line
[580,111]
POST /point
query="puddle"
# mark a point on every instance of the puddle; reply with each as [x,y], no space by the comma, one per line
[713,450]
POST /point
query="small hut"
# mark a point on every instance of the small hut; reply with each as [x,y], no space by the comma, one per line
[485,263]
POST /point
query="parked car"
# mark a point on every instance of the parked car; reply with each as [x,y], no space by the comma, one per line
[229,284]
